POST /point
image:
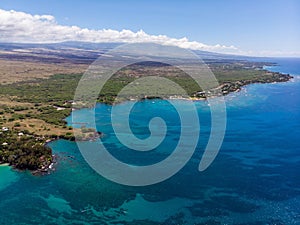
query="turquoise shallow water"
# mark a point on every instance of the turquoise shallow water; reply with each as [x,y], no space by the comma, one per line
[255,178]
[7,176]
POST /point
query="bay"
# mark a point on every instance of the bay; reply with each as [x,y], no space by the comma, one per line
[255,178]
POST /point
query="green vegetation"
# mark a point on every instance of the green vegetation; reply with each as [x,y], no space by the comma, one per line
[24,151]
[55,90]
[46,94]
[51,115]
[230,76]
[58,90]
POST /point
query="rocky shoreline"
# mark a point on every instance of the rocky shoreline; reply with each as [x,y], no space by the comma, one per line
[46,169]
[18,149]
[228,87]
[224,89]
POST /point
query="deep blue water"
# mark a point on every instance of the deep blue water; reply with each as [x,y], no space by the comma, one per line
[255,178]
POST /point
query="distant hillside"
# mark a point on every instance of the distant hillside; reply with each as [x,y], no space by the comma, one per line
[84,52]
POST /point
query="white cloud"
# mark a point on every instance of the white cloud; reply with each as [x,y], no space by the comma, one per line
[26,28]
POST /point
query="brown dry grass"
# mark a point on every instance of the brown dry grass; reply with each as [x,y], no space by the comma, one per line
[38,127]
[15,71]
[7,102]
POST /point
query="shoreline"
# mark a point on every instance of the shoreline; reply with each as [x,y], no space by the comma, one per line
[223,89]
[4,164]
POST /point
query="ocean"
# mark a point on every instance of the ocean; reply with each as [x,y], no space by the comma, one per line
[254,179]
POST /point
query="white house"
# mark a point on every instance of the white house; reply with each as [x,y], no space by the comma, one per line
[4,129]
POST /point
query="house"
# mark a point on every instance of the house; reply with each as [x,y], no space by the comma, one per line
[4,129]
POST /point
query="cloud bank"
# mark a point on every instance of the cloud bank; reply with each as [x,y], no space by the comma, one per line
[26,28]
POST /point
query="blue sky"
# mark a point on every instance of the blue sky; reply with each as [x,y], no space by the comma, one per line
[254,27]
